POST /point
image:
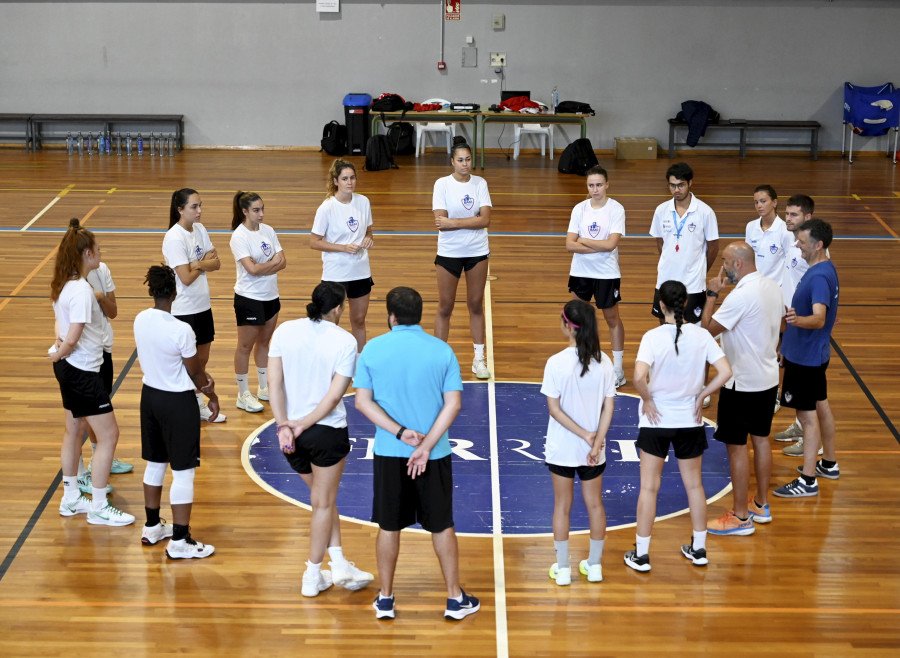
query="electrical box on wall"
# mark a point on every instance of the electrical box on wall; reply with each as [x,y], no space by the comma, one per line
[498,59]
[498,21]
[470,57]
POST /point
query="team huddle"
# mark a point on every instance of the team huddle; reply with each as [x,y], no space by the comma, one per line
[409,383]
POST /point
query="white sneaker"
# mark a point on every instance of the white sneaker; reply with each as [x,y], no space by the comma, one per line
[155,534]
[205,413]
[777,406]
[796,450]
[247,402]
[479,367]
[345,574]
[562,576]
[262,393]
[80,505]
[188,548]
[620,379]
[313,583]
[86,484]
[790,434]
[594,572]
[706,401]
[109,515]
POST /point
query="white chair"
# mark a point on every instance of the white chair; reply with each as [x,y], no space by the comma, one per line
[544,132]
[434,127]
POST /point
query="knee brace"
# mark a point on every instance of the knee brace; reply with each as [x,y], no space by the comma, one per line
[155,474]
[182,491]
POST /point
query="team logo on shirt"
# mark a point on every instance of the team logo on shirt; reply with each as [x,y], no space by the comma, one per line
[594,229]
[198,252]
[691,227]
[793,262]
[773,249]
[266,249]
[353,224]
[787,396]
[468,202]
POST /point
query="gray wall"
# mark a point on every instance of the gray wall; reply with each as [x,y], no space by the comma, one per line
[272,74]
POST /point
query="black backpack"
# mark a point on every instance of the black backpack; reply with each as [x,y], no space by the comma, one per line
[402,137]
[334,138]
[577,157]
[390,103]
[574,107]
[378,154]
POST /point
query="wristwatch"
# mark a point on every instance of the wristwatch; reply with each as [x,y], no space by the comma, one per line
[400,432]
[712,293]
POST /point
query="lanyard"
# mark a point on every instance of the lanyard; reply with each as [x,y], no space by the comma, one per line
[679,226]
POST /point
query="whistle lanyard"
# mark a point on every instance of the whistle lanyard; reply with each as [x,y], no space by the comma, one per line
[679,227]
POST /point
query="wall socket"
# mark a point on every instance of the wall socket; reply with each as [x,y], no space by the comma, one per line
[498,59]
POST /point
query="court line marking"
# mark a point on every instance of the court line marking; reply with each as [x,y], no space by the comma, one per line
[886,227]
[58,196]
[865,389]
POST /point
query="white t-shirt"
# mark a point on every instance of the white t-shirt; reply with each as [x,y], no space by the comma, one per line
[344,223]
[676,379]
[794,269]
[581,398]
[311,354]
[76,304]
[684,259]
[751,314]
[461,200]
[597,224]
[770,246]
[181,247]
[162,341]
[101,279]
[261,246]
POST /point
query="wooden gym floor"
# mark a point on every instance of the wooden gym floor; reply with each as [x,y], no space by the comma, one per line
[822,580]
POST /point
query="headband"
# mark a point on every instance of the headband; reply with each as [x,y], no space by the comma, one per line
[568,321]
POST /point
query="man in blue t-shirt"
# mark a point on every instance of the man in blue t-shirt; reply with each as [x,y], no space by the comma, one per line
[408,383]
[805,351]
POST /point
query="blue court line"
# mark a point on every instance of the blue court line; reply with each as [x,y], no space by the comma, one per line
[51,490]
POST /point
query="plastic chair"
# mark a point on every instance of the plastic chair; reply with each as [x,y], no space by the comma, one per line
[544,132]
[871,112]
[434,127]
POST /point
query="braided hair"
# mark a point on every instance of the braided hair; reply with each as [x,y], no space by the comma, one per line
[583,319]
[674,295]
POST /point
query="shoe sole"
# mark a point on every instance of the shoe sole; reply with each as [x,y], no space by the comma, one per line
[642,568]
[737,532]
[796,495]
[108,522]
[188,557]
[146,540]
[702,562]
[219,419]
[70,513]
[383,614]
[787,437]
[477,376]
[353,584]
[756,518]
[461,614]
[584,573]
[251,411]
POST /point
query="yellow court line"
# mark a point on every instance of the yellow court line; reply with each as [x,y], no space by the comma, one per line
[59,196]
[856,197]
[886,227]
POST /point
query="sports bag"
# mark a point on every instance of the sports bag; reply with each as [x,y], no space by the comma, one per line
[402,137]
[378,154]
[390,103]
[574,107]
[577,157]
[334,138]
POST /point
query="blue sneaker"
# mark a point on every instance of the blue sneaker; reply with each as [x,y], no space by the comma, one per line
[797,489]
[384,608]
[456,610]
[832,473]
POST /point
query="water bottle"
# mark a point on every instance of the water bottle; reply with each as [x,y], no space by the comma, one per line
[151,143]
[554,98]
[172,145]
[80,144]
[106,143]
[70,144]
[166,147]
[128,143]
[118,143]
[89,140]
[140,143]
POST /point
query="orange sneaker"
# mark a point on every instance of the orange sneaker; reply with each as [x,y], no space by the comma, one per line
[729,524]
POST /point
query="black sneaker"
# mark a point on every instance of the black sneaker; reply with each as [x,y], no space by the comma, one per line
[695,555]
[637,562]
[832,473]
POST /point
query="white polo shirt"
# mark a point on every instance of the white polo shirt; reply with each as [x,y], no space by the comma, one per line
[344,223]
[683,256]
[162,342]
[597,224]
[101,279]
[261,246]
[751,315]
[770,246]
[182,247]
[461,200]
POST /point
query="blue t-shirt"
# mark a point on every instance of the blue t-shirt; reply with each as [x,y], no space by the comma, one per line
[408,372]
[811,347]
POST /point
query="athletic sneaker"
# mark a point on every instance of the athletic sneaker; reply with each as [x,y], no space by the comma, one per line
[759,513]
[594,572]
[791,433]
[313,583]
[80,505]
[796,450]
[247,402]
[729,524]
[777,406]
[797,489]
[620,379]
[262,393]
[832,473]
[188,548]
[117,467]
[86,484]
[695,555]
[561,576]
[155,534]
[707,401]
[109,515]
[637,562]
[205,413]
[479,367]
[384,607]
[345,574]
[456,610]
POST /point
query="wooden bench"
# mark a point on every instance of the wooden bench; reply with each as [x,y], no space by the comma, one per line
[16,126]
[104,123]
[745,126]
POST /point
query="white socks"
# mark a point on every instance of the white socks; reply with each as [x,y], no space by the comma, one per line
[243,383]
[479,351]
[263,374]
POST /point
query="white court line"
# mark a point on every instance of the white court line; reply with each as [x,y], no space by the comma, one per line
[59,196]
[496,520]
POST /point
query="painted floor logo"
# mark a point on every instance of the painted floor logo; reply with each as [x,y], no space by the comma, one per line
[526,493]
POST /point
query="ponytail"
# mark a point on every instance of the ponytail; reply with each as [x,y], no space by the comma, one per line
[179,201]
[326,296]
[242,202]
[583,319]
[69,255]
[674,295]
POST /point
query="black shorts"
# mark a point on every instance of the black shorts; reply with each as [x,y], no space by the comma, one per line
[82,391]
[400,500]
[202,324]
[357,288]
[170,428]
[320,445]
[456,265]
[803,386]
[585,473]
[742,413]
[693,307]
[604,291]
[689,442]
[106,372]
[254,313]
